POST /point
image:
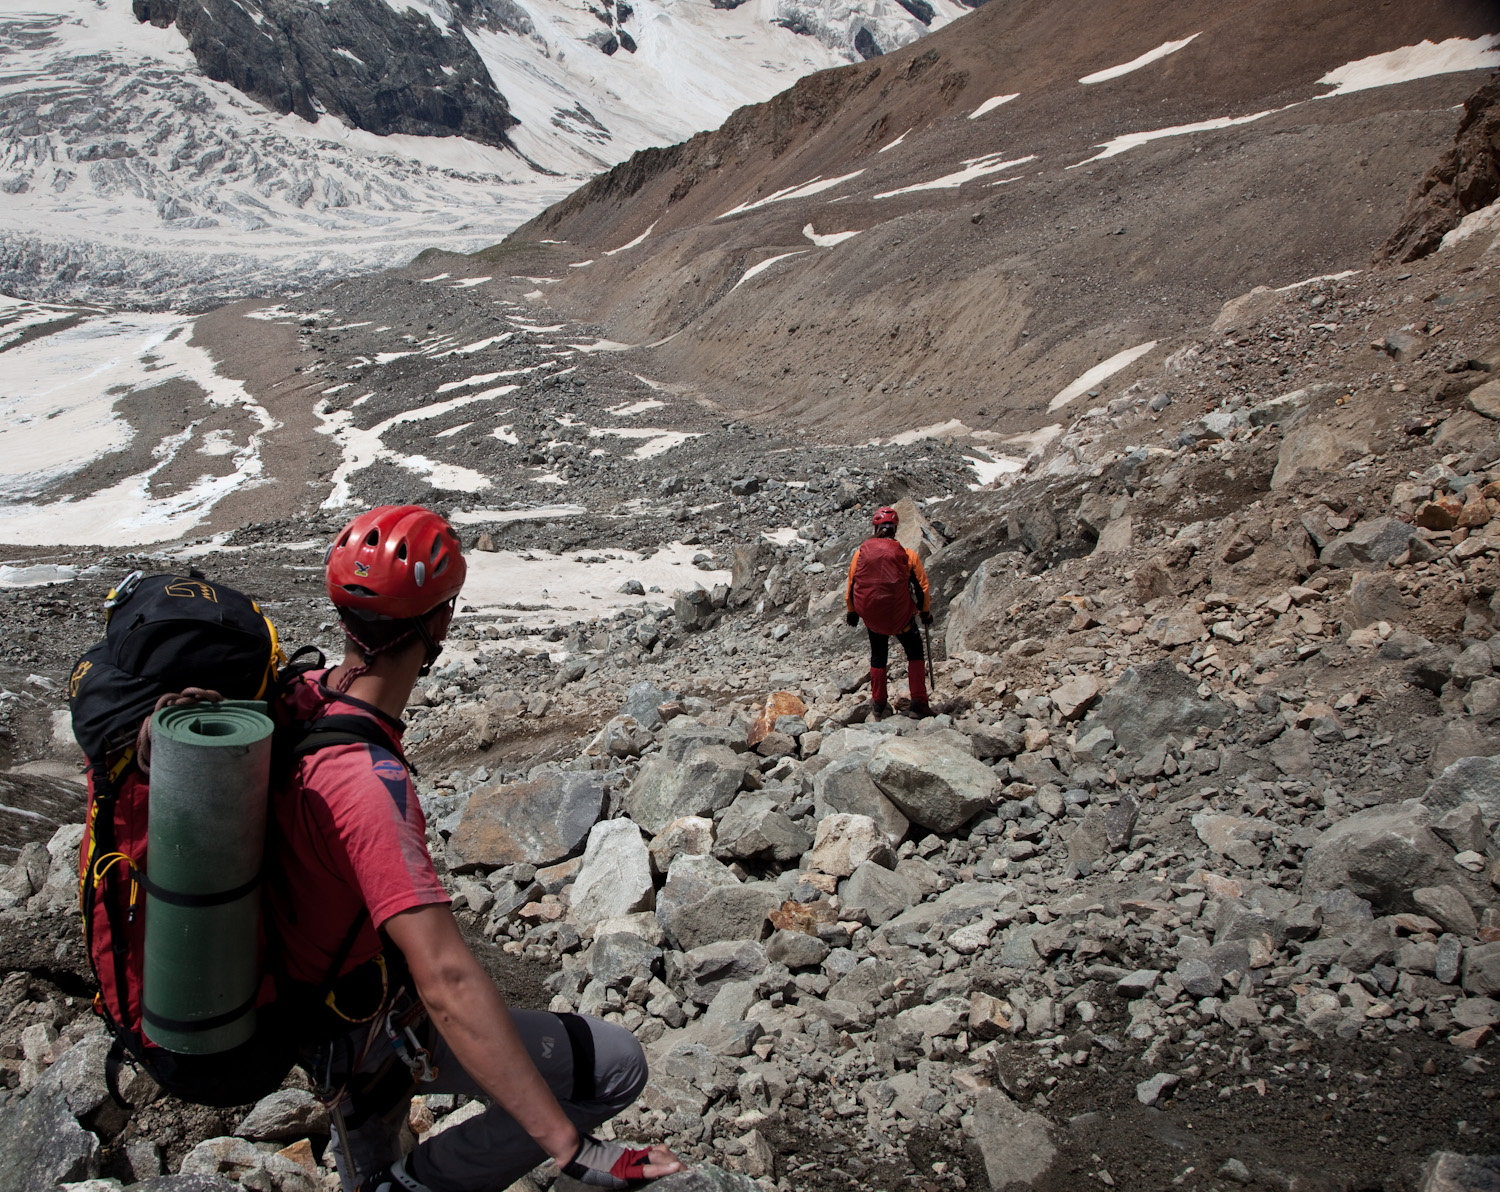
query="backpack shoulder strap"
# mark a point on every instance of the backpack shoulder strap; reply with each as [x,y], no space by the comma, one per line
[345,730]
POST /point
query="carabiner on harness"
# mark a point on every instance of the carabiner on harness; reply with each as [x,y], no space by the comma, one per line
[408,1047]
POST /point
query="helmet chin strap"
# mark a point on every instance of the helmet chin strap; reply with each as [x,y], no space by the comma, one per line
[434,648]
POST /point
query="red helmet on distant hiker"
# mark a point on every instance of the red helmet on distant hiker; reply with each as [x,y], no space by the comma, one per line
[885,516]
[396,562]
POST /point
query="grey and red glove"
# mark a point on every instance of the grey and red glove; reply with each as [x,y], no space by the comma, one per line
[603,1164]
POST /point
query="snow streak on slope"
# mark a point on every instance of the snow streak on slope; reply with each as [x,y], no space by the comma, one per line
[1125,68]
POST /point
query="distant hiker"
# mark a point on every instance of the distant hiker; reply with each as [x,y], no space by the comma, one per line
[416,1010]
[888,588]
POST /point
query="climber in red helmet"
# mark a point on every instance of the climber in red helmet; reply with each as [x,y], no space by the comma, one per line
[888,588]
[355,896]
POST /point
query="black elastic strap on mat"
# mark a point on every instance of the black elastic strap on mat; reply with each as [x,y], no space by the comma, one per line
[176,898]
[190,1025]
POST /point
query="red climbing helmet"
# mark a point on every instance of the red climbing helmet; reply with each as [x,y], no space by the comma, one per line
[396,561]
[885,516]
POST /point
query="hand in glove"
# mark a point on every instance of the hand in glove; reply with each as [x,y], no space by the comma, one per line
[609,1165]
[926,617]
[851,619]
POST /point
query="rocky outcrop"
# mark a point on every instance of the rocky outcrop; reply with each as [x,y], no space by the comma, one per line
[1465,178]
[380,68]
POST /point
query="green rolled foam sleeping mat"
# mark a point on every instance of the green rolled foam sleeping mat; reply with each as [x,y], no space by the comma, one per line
[210,769]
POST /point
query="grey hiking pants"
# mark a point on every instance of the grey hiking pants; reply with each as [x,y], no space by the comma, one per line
[490,1151]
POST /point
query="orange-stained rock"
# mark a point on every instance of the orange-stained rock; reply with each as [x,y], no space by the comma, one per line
[778,703]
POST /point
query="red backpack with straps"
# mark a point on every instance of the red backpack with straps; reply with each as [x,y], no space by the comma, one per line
[881,586]
[165,633]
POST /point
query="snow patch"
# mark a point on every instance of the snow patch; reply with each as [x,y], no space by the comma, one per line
[471,517]
[1100,372]
[828,239]
[1133,140]
[991,104]
[974,167]
[361,448]
[639,240]
[636,407]
[757,269]
[503,579]
[653,442]
[807,189]
[894,143]
[1420,61]
[1125,68]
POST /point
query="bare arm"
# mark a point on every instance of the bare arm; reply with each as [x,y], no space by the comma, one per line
[472,1016]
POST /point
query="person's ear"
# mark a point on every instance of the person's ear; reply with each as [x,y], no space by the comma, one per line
[442,618]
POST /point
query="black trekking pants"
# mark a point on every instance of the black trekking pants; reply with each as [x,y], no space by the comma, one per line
[880,646]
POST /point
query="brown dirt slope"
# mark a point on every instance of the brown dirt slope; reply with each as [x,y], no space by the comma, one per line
[981,299]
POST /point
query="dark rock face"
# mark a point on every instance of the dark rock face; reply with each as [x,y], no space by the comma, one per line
[919,9]
[378,69]
[1466,178]
[864,42]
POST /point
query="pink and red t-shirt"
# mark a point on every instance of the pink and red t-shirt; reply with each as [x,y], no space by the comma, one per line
[350,834]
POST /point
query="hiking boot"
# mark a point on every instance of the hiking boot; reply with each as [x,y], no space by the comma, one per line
[393,1177]
[917,711]
[880,710]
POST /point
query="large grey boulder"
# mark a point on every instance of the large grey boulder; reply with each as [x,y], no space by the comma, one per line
[284,1114]
[615,877]
[708,969]
[1482,970]
[846,786]
[1016,1143]
[934,783]
[683,736]
[43,1143]
[881,894]
[621,956]
[1313,447]
[1468,780]
[703,902]
[1152,702]
[1447,1171]
[1382,854]
[642,700]
[537,823]
[703,781]
[187,1183]
[705,1177]
[1376,540]
[754,828]
[976,616]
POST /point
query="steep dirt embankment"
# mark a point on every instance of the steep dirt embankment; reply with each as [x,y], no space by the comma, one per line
[995,259]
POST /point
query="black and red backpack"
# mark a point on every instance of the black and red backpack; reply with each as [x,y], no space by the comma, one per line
[165,633]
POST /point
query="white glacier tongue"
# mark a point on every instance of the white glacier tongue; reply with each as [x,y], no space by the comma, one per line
[129,177]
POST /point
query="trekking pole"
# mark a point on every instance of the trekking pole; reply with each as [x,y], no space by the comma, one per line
[348,1176]
[931,659]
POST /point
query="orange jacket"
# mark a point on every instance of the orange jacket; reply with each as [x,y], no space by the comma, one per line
[916,569]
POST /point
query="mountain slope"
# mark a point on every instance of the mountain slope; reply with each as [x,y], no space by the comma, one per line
[1016,225]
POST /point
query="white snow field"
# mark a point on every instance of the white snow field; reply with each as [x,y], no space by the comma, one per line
[130,177]
[58,416]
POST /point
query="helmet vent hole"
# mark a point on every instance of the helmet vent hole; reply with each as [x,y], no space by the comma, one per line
[401,551]
[441,567]
[373,538]
[358,590]
[437,545]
